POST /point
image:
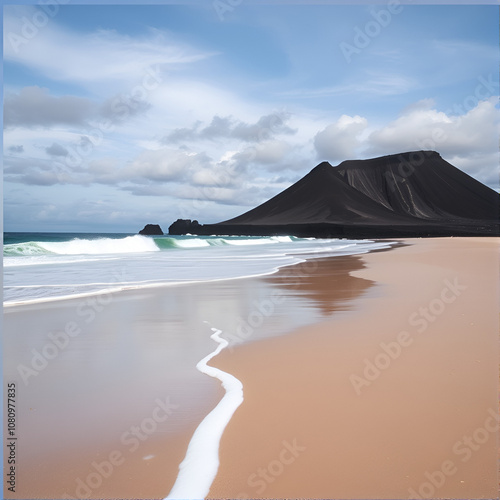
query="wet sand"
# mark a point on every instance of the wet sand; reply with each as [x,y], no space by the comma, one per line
[398,401]
[111,415]
[296,338]
[95,401]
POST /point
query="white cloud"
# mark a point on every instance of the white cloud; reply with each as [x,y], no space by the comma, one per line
[103,55]
[37,172]
[164,165]
[340,140]
[422,127]
[229,127]
[484,167]
[272,152]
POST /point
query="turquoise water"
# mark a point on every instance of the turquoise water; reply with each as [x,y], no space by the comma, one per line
[48,266]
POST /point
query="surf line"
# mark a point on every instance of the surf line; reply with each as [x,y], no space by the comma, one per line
[198,469]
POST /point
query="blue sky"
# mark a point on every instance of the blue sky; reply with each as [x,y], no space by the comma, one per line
[120,115]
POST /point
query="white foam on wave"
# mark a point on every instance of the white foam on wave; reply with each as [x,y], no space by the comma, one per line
[29,248]
[192,243]
[70,276]
[51,259]
[129,244]
[282,239]
[260,241]
[199,468]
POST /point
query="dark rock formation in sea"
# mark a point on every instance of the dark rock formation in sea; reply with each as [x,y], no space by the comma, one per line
[411,194]
[184,226]
[151,230]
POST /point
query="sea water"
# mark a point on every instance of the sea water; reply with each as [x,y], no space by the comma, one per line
[51,266]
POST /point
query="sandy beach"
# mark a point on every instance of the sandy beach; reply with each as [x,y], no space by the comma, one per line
[369,376]
[399,401]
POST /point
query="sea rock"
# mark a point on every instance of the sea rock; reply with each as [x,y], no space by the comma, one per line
[184,226]
[151,230]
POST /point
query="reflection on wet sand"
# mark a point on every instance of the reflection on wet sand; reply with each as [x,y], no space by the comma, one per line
[326,282]
[141,347]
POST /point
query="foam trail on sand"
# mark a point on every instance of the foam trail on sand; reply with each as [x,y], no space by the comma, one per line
[199,468]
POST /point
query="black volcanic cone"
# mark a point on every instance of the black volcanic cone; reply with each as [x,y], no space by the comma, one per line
[410,194]
[321,196]
[407,189]
[423,185]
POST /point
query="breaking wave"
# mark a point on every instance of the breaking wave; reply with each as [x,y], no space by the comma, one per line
[130,244]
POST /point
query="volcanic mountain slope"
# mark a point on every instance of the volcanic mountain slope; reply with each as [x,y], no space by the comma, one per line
[323,195]
[409,194]
[423,185]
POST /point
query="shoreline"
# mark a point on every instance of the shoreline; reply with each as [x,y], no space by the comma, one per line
[322,420]
[149,342]
[300,255]
[295,302]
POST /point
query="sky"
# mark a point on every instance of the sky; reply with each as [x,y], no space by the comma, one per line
[116,116]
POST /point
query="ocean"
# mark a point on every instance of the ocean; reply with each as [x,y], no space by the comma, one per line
[51,266]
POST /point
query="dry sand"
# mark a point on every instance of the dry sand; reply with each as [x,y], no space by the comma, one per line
[420,422]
